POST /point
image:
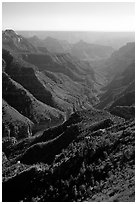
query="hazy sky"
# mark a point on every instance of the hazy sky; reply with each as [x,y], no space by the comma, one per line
[68,16]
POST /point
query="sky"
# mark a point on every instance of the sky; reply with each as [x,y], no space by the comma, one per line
[69,16]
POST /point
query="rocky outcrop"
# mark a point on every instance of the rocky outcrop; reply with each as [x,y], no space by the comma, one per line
[16,43]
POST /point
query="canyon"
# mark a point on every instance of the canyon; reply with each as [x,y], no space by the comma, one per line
[68,120]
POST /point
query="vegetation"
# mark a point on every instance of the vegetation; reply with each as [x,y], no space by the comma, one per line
[86,167]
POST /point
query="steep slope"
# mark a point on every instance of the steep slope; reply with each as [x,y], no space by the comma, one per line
[80,90]
[26,104]
[120,59]
[28,77]
[120,91]
[63,63]
[42,87]
[79,71]
[87,51]
[14,124]
[14,42]
[51,44]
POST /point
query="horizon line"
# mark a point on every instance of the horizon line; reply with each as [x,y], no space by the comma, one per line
[105,31]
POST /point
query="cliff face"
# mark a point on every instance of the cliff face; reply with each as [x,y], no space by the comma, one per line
[44,87]
[14,42]
[23,101]
[120,70]
[121,59]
